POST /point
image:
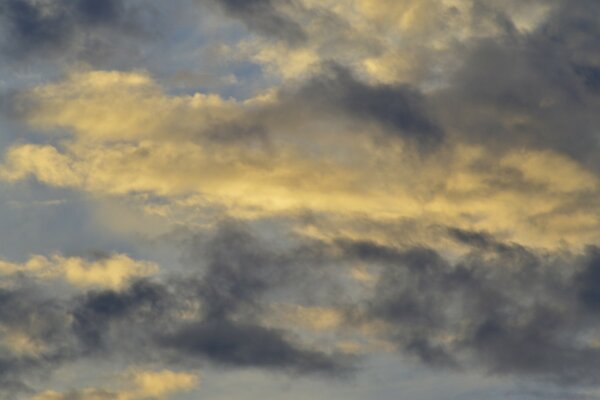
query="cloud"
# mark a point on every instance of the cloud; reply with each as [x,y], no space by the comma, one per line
[242,345]
[411,176]
[508,309]
[363,36]
[244,156]
[53,28]
[499,306]
[142,384]
[114,271]
[265,17]
[50,23]
[212,315]
[311,318]
[503,94]
[241,271]
[114,105]
[111,105]
[209,315]
[399,108]
[98,314]
[34,338]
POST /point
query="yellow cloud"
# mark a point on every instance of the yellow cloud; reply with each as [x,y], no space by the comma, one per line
[314,319]
[328,325]
[142,385]
[558,172]
[447,191]
[158,384]
[86,394]
[43,162]
[280,59]
[388,41]
[517,195]
[363,275]
[110,105]
[264,182]
[112,272]
[20,342]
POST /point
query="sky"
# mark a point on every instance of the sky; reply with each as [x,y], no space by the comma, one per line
[299,199]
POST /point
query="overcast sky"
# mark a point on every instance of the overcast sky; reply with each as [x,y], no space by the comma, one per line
[299,199]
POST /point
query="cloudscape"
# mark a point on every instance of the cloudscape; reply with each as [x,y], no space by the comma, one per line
[299,199]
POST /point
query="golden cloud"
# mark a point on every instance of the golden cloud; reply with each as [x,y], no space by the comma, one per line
[111,272]
[142,385]
[518,195]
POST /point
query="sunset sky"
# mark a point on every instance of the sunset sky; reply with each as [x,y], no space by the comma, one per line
[299,199]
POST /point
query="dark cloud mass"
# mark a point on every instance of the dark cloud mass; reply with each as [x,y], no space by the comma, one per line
[400,109]
[45,321]
[100,311]
[143,321]
[247,345]
[60,30]
[504,308]
[33,26]
[507,309]
[238,273]
[264,17]
[546,80]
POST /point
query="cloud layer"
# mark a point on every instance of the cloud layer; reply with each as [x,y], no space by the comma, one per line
[311,189]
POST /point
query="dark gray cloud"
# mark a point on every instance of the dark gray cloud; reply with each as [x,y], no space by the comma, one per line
[239,270]
[234,272]
[28,311]
[537,89]
[507,309]
[475,239]
[334,95]
[250,345]
[264,17]
[47,25]
[482,241]
[400,110]
[101,313]
[588,281]
[83,29]
[590,75]
[501,308]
